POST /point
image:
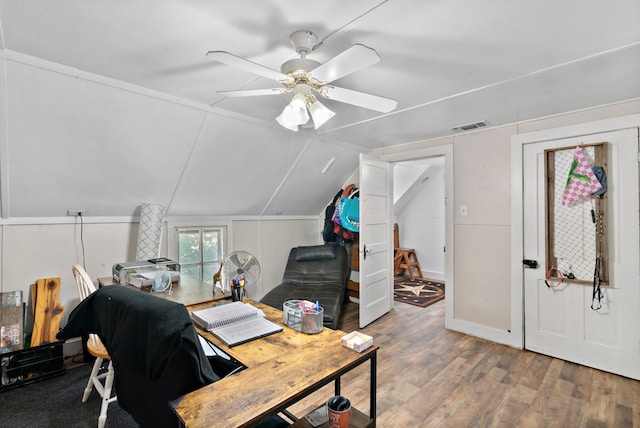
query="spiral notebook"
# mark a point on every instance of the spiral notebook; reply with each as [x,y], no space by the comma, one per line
[235,323]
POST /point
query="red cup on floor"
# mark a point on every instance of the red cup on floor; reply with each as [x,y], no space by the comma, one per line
[339,412]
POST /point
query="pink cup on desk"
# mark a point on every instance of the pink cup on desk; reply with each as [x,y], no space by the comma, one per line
[338,412]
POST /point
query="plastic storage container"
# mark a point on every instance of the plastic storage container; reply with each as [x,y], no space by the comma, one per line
[307,321]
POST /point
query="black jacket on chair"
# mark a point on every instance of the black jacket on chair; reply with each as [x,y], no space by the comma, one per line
[153,345]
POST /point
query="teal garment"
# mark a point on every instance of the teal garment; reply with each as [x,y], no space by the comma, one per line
[350,214]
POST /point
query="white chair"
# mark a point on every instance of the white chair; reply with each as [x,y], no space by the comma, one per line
[97,349]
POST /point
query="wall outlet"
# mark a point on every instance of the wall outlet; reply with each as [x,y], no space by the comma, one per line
[463,210]
[75,213]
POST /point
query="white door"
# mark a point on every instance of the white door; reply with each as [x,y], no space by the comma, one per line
[559,321]
[376,253]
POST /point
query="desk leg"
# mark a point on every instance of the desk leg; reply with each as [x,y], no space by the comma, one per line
[372,387]
[372,392]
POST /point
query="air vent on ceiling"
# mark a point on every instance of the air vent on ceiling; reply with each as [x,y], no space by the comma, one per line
[470,126]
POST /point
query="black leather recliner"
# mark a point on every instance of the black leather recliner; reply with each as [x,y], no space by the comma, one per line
[314,273]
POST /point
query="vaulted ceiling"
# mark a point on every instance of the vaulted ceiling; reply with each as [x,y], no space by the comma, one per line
[108,104]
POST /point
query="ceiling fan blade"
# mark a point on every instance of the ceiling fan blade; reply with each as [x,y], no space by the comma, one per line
[253,92]
[250,66]
[361,99]
[349,61]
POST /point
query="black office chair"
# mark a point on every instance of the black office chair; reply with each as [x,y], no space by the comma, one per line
[153,346]
[154,349]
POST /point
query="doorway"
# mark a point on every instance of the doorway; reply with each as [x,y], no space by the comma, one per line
[419,211]
[560,321]
[444,156]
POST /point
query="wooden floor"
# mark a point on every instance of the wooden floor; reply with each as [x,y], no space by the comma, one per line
[432,377]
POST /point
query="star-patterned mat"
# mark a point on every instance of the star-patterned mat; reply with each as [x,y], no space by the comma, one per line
[419,292]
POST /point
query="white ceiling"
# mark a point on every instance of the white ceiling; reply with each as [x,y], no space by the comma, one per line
[447,63]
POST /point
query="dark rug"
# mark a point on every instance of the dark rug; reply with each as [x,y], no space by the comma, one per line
[57,402]
[419,292]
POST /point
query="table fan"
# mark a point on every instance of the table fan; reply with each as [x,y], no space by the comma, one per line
[161,283]
[241,264]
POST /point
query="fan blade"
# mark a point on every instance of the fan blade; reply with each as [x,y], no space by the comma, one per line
[251,272]
[250,278]
[250,66]
[361,99]
[254,92]
[235,261]
[246,265]
[349,61]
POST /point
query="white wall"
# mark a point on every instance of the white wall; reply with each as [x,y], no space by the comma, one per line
[34,251]
[421,224]
[482,178]
[482,238]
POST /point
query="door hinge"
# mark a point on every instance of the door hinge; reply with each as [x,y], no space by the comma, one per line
[531,264]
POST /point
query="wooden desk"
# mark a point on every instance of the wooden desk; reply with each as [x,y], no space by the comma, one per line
[188,290]
[282,369]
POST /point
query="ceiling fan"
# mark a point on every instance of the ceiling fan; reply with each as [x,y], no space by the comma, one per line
[307,79]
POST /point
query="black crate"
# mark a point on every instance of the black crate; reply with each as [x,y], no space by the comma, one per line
[31,365]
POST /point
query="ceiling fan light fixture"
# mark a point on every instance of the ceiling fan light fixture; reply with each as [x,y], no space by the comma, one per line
[295,113]
[305,77]
[298,110]
[282,120]
[320,113]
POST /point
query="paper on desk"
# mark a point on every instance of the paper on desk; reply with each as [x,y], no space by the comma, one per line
[149,275]
[210,349]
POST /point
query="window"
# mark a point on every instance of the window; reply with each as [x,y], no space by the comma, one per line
[200,251]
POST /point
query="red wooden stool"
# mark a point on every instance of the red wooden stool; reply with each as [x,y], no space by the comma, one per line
[405,258]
